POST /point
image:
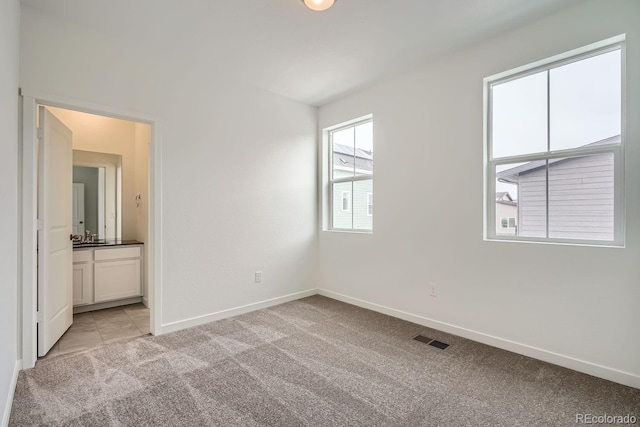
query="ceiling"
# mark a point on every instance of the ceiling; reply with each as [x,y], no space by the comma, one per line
[312,57]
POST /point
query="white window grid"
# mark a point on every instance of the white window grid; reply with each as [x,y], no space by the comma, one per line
[353,179]
[609,45]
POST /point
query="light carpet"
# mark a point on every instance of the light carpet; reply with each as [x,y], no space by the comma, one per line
[311,362]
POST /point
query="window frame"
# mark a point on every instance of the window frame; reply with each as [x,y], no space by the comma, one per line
[490,164]
[328,132]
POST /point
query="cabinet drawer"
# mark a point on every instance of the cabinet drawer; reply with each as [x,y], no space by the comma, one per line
[82,256]
[120,253]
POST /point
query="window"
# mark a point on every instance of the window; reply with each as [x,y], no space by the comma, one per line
[554,148]
[346,201]
[508,222]
[350,161]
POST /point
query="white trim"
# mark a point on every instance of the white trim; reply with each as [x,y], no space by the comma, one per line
[579,365]
[107,304]
[28,240]
[223,314]
[12,390]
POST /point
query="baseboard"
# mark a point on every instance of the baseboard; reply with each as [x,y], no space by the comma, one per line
[199,320]
[12,390]
[108,304]
[145,302]
[583,366]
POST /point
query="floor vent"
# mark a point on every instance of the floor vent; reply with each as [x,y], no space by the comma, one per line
[439,344]
[423,339]
[431,341]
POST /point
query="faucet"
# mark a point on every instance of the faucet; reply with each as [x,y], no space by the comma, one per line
[87,236]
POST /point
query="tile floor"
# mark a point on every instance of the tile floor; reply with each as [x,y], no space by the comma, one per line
[96,328]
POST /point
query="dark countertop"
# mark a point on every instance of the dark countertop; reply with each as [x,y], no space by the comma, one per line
[109,243]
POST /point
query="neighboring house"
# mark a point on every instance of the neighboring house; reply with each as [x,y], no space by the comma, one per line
[352,204]
[506,214]
[581,199]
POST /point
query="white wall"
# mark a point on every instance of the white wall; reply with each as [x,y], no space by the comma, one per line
[578,302]
[238,163]
[9,32]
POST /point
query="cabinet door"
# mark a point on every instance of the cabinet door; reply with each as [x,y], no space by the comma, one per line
[117,279]
[82,284]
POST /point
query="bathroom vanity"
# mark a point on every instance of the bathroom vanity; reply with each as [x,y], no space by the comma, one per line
[107,274]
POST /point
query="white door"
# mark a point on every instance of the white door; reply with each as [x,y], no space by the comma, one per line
[55,280]
[78,208]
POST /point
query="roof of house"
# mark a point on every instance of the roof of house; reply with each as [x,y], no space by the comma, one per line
[504,198]
[511,175]
[345,156]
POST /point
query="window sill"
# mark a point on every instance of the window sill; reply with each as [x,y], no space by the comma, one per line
[349,231]
[608,245]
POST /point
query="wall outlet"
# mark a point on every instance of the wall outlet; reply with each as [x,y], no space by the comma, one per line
[433,290]
[257,276]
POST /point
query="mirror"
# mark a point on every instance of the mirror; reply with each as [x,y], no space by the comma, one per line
[88,200]
[96,194]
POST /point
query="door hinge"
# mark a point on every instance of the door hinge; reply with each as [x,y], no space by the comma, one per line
[39,317]
[39,225]
[40,133]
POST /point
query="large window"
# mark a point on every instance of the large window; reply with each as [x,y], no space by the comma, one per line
[555,149]
[350,159]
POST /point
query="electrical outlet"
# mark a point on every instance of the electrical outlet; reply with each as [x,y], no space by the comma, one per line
[433,290]
[257,276]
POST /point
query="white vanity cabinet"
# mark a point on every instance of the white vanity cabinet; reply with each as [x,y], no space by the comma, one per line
[82,277]
[103,274]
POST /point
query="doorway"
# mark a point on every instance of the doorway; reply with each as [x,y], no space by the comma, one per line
[31,316]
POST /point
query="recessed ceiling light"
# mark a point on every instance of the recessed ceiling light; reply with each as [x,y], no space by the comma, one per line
[319,5]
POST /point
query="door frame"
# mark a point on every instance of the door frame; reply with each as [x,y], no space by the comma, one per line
[29,203]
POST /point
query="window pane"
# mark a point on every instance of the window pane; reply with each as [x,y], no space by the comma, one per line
[586,99]
[519,116]
[364,149]
[581,197]
[361,218]
[343,153]
[506,199]
[342,219]
[521,190]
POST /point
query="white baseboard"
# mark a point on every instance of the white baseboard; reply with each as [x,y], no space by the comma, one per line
[199,320]
[12,390]
[109,304]
[145,302]
[583,366]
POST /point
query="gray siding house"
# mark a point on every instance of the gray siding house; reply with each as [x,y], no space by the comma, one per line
[506,214]
[581,196]
[352,202]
